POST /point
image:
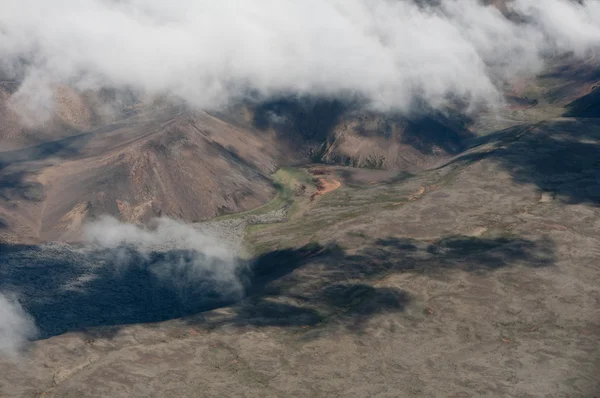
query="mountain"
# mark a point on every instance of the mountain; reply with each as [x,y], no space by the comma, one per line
[149,160]
[320,248]
[167,162]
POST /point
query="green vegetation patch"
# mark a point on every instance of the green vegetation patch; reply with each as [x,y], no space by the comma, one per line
[286,181]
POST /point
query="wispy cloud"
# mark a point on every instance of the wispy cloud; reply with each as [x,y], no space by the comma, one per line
[179,254]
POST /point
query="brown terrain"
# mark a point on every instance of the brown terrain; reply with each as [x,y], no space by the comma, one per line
[155,159]
[380,255]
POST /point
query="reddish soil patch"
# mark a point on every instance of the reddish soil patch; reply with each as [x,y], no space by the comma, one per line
[324,186]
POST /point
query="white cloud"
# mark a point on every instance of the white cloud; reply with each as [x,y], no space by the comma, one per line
[210,52]
[189,256]
[16,326]
[568,25]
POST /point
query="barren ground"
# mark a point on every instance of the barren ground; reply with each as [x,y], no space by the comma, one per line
[477,278]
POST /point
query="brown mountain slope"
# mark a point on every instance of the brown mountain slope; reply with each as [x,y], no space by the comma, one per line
[170,163]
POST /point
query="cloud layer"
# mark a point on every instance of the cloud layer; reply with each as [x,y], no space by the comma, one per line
[209,53]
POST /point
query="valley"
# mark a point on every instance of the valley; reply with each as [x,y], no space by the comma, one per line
[214,199]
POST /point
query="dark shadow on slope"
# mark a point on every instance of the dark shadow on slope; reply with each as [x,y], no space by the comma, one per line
[261,312]
[67,289]
[356,303]
[276,264]
[365,299]
[435,130]
[72,289]
[573,70]
[64,148]
[560,157]
[17,167]
[586,106]
[14,186]
[330,284]
[567,77]
[300,120]
[308,120]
